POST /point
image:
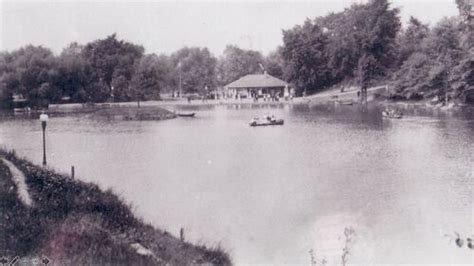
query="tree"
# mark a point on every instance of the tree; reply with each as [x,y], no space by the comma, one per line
[121,89]
[74,73]
[30,72]
[466,11]
[380,28]
[441,67]
[305,58]
[146,81]
[410,81]
[236,63]
[411,39]
[164,69]
[368,68]
[197,66]
[110,59]
[462,75]
[359,42]
[274,63]
[345,40]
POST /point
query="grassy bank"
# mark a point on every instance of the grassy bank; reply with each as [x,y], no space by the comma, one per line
[108,111]
[135,113]
[76,223]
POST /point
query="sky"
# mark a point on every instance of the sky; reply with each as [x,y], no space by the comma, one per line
[166,26]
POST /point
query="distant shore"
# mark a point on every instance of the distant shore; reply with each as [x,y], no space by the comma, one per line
[76,223]
[164,109]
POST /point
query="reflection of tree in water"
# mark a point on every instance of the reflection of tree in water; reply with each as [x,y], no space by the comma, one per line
[314,259]
[349,233]
[459,240]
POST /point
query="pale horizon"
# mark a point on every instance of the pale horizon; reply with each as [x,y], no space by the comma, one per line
[165,27]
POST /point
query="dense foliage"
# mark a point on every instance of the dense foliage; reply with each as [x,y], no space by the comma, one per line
[439,62]
[363,45]
[197,67]
[237,62]
[358,43]
[99,71]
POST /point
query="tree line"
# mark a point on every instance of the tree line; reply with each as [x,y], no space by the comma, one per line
[110,69]
[363,45]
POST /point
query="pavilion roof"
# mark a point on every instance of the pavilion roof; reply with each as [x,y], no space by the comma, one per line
[257,81]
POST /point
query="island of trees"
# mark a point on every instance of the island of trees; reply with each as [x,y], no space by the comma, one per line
[363,45]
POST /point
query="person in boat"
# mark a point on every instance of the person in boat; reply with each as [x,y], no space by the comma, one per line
[270,118]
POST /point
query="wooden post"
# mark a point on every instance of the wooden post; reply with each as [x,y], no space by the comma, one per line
[43,123]
[72,171]
[181,234]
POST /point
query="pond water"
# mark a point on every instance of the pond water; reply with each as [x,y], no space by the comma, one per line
[283,194]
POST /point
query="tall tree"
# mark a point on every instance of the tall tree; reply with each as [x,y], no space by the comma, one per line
[197,67]
[74,73]
[30,72]
[274,63]
[164,69]
[146,82]
[305,58]
[466,11]
[237,62]
[380,27]
[441,67]
[111,59]
[358,42]
[411,39]
[345,40]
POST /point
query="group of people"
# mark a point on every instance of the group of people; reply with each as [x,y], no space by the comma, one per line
[269,118]
[266,97]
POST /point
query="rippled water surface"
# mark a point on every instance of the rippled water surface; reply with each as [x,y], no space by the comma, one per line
[281,194]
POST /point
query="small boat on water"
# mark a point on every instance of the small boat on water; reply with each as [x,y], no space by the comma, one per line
[391,113]
[346,102]
[266,121]
[186,114]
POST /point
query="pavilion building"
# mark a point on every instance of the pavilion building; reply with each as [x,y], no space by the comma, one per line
[257,85]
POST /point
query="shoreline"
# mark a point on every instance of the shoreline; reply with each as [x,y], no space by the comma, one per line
[161,110]
[72,222]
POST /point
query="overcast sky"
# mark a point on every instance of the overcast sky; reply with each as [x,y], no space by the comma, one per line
[164,27]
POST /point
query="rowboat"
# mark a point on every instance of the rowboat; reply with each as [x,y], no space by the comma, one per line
[346,102]
[266,121]
[390,113]
[186,114]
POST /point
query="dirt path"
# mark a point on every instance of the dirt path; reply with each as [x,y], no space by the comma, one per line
[19,180]
[346,95]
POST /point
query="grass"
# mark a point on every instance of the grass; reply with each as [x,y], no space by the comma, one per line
[134,113]
[73,222]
